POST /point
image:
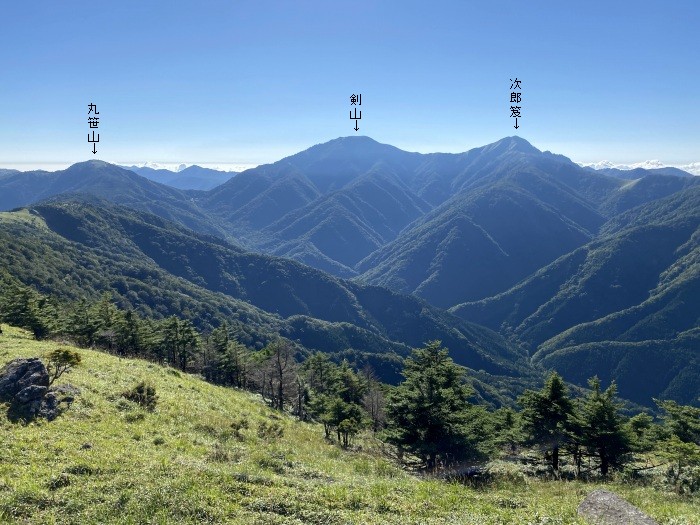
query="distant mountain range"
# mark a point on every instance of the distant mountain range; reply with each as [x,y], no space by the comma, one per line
[100,179]
[190,178]
[587,271]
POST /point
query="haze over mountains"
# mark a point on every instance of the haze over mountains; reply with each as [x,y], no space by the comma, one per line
[108,181]
[587,271]
[190,178]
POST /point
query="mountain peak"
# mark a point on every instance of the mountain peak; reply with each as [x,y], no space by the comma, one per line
[343,149]
[353,139]
[512,144]
[92,163]
[352,143]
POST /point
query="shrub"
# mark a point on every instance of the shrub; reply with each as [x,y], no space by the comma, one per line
[60,481]
[238,426]
[60,361]
[684,481]
[219,454]
[270,430]
[144,394]
[506,474]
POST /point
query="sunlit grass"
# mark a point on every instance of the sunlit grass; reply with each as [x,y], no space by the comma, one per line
[106,460]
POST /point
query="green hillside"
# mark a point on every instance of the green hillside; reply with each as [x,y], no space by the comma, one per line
[482,242]
[625,306]
[161,269]
[643,190]
[193,460]
[349,224]
[339,205]
[107,181]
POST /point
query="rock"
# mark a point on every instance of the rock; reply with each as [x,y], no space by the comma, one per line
[25,384]
[20,374]
[30,393]
[602,507]
[49,408]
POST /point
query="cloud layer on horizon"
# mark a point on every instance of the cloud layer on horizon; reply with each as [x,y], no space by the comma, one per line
[693,167]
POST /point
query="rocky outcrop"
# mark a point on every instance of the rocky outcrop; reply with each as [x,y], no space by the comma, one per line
[602,507]
[24,383]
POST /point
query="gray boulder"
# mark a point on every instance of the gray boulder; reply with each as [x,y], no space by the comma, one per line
[20,374]
[49,407]
[30,393]
[24,383]
[602,507]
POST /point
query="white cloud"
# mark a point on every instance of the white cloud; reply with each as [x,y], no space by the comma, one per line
[693,167]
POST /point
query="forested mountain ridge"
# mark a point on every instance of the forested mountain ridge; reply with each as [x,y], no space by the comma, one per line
[624,306]
[339,206]
[109,182]
[161,269]
[354,206]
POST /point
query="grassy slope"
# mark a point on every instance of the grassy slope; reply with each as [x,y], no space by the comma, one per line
[182,464]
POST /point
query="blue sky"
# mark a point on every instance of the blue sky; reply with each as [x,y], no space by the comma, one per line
[241,82]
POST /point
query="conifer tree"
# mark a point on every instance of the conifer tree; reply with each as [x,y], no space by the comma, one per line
[127,337]
[603,430]
[682,421]
[546,416]
[180,342]
[22,306]
[276,373]
[83,324]
[427,413]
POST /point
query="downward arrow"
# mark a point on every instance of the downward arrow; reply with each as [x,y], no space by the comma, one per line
[356,127]
[516,123]
[94,148]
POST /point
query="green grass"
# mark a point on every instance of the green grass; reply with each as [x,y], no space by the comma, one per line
[185,463]
[24,216]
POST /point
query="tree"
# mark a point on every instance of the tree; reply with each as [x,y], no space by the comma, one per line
[106,316]
[128,340]
[320,373]
[180,341]
[320,376]
[681,453]
[603,431]
[334,395]
[275,374]
[682,443]
[427,413]
[507,429]
[681,420]
[546,415]
[644,433]
[346,418]
[22,306]
[374,400]
[225,359]
[213,352]
[83,324]
[61,361]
